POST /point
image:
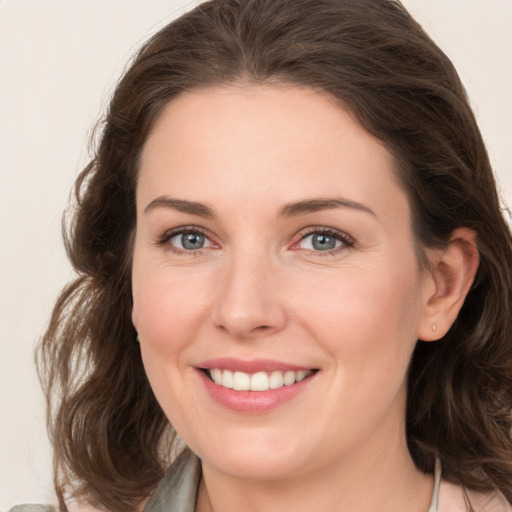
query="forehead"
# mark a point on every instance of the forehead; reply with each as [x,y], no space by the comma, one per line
[310,118]
[254,143]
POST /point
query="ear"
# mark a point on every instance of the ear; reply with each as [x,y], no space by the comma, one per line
[448,281]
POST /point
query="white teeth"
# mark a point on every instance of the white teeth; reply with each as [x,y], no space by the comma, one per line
[289,378]
[216,375]
[276,380]
[241,381]
[301,375]
[260,381]
[227,379]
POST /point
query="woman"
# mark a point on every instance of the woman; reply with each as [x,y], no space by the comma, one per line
[290,248]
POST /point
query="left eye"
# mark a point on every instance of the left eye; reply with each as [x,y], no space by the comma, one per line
[321,242]
[190,241]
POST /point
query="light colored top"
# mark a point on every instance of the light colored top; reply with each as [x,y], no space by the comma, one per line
[32,508]
[177,492]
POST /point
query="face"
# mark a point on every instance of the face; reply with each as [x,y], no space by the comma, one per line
[276,290]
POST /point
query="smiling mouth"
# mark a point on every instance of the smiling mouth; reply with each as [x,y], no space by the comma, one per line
[259,381]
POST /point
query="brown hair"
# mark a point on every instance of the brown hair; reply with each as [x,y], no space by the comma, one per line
[111,439]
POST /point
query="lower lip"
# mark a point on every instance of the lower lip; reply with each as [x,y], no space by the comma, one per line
[253,401]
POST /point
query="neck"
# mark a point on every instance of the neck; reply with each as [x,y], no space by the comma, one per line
[384,480]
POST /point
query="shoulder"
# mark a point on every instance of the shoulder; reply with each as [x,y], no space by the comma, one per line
[32,508]
[453,498]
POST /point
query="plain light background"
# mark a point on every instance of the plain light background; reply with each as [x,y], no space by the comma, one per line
[59,61]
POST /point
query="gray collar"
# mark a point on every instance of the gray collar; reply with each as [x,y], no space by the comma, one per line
[177,492]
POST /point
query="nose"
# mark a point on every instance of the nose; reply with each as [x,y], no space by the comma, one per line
[248,304]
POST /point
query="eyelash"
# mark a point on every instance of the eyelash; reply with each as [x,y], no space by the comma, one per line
[347,242]
[164,240]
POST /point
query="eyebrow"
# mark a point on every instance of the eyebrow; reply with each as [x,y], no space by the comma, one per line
[318,204]
[180,205]
[293,209]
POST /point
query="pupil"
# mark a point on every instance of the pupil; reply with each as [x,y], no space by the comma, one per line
[192,240]
[323,242]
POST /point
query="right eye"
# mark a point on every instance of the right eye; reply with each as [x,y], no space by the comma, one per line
[189,240]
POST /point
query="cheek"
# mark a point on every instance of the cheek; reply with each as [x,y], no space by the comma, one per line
[366,318]
[168,307]
[169,310]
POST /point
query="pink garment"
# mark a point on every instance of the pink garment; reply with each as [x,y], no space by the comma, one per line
[452,499]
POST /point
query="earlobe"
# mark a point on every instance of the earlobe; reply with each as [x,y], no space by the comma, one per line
[451,275]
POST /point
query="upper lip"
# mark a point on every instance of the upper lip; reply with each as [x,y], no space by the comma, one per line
[250,366]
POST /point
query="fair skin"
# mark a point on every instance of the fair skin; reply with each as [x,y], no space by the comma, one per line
[270,226]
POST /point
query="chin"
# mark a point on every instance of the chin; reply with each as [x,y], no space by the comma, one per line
[261,458]
[257,467]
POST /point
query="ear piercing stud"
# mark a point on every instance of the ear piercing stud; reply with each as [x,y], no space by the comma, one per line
[434,328]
